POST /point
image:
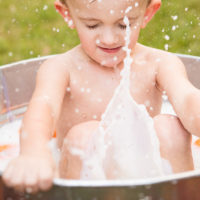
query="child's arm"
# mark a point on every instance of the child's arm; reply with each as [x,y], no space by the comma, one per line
[34,169]
[184,97]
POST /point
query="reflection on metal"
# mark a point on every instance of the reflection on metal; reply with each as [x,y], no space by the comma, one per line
[19,80]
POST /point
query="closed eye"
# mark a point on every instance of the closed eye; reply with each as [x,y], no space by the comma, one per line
[123,26]
[92,27]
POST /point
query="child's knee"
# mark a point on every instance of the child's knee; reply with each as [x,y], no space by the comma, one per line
[79,134]
[171,132]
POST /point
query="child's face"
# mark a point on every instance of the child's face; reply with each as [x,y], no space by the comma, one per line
[101,28]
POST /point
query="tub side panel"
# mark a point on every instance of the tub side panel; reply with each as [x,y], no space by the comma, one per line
[192,65]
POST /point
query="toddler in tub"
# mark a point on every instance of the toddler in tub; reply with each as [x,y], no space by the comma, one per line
[73,90]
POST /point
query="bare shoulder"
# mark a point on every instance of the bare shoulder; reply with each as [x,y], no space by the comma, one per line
[159,56]
[59,63]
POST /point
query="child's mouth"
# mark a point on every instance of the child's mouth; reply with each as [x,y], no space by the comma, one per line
[110,50]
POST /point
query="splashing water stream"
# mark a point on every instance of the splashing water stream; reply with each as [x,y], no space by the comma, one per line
[125,144]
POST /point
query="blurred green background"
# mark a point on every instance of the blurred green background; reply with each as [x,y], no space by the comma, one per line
[33,28]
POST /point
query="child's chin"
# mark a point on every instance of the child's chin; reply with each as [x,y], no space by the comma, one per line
[111,64]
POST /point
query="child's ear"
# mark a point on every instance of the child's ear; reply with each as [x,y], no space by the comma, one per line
[151,10]
[64,11]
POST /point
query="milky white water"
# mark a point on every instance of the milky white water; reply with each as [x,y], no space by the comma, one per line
[125,145]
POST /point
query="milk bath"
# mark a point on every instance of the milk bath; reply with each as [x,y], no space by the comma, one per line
[125,146]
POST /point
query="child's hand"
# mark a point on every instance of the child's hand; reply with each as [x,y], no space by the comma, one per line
[30,173]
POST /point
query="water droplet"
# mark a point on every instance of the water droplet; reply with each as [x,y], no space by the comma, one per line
[94,116]
[166,47]
[111,12]
[97,41]
[10,54]
[68,89]
[175,17]
[115,58]
[147,103]
[76,110]
[45,7]
[173,28]
[99,100]
[82,89]
[88,90]
[79,68]
[167,37]
[136,4]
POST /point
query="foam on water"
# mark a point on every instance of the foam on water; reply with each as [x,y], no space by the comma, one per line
[124,146]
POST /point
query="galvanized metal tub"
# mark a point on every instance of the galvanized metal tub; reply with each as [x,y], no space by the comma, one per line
[17,82]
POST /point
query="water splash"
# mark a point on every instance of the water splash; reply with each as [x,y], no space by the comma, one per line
[125,144]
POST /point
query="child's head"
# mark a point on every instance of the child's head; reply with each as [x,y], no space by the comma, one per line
[100,25]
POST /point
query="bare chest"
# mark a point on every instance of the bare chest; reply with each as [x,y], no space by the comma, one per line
[88,96]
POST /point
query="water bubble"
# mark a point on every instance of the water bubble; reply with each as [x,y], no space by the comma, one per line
[158,59]
[136,4]
[76,110]
[173,28]
[167,37]
[99,100]
[174,17]
[79,67]
[45,7]
[88,90]
[13,20]
[186,9]
[54,29]
[63,45]
[163,30]
[103,62]
[31,52]
[166,47]
[97,41]
[16,89]
[115,58]
[194,36]
[94,116]
[111,12]
[57,30]
[70,23]
[164,96]
[147,103]
[10,54]
[82,89]
[68,89]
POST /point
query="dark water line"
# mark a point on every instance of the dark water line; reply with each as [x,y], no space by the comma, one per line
[6,97]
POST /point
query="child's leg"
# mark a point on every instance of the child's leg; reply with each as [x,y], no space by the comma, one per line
[76,140]
[175,142]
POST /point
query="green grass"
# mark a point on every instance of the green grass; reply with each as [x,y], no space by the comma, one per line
[29,30]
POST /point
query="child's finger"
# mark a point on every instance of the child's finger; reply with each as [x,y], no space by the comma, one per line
[45,178]
[31,181]
[7,175]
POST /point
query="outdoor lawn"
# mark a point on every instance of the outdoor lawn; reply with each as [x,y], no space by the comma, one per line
[33,28]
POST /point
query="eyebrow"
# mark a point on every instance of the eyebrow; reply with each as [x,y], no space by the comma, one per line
[93,19]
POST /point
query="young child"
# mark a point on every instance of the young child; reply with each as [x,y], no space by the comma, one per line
[74,88]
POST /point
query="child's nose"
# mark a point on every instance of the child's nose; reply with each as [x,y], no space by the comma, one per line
[108,38]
